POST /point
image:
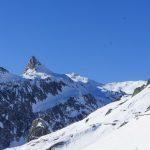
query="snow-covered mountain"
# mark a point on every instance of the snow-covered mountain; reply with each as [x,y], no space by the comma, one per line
[41,101]
[122,124]
[128,87]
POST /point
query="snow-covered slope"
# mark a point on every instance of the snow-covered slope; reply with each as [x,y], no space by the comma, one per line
[127,87]
[6,76]
[119,125]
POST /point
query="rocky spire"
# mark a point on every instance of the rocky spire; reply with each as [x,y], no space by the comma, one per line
[35,69]
[33,63]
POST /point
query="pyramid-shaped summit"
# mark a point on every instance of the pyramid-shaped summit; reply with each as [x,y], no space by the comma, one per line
[35,68]
[33,63]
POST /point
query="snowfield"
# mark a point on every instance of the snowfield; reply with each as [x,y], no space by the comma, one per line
[133,136]
[121,125]
[127,87]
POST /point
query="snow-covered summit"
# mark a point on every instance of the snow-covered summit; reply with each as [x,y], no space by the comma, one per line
[127,87]
[77,78]
[36,69]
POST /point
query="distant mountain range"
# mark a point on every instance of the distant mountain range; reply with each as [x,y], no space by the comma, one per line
[39,102]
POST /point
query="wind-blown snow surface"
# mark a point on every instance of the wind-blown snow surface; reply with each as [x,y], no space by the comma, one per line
[127,87]
[120,125]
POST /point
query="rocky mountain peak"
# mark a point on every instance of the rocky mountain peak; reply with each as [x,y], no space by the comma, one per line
[35,69]
[33,63]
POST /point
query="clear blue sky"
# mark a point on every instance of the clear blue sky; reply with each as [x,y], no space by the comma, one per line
[106,40]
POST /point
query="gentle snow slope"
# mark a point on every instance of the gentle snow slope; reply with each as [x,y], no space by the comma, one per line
[120,125]
[127,87]
[134,136]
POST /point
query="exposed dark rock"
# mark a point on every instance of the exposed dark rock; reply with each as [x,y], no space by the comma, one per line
[56,116]
[138,90]
[124,123]
[148,109]
[33,63]
[86,120]
[39,128]
[108,112]
[148,82]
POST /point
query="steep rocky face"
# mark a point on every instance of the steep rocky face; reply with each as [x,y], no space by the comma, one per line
[70,111]
[40,93]
[33,63]
[16,100]
[39,128]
